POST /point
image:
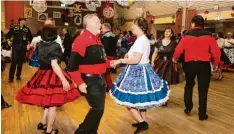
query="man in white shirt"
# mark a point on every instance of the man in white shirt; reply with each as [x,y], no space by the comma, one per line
[37,39]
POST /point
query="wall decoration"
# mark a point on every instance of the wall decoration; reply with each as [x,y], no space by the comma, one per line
[108,12]
[39,5]
[78,19]
[179,10]
[77,8]
[232,14]
[28,12]
[57,15]
[68,2]
[125,3]
[92,5]
[42,17]
[119,22]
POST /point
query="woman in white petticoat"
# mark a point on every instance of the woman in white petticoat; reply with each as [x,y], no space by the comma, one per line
[138,87]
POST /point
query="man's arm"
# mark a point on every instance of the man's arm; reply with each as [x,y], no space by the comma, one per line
[215,51]
[179,49]
[77,54]
[10,33]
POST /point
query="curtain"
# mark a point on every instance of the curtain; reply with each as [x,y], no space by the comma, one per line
[189,15]
[13,10]
[178,22]
[149,18]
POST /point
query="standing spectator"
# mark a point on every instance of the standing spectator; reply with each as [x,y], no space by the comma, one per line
[21,36]
[67,43]
[109,41]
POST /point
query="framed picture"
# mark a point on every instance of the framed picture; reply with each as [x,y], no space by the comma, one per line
[78,19]
[28,12]
[42,17]
[57,15]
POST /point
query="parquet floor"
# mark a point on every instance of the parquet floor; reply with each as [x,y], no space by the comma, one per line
[23,119]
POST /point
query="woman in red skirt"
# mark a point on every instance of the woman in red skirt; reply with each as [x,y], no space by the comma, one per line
[50,87]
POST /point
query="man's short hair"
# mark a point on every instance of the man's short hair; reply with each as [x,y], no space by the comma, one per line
[198,20]
[107,25]
[86,18]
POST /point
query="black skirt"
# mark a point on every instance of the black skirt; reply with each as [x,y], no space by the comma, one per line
[169,71]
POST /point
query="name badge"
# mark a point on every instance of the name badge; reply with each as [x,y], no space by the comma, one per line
[164,57]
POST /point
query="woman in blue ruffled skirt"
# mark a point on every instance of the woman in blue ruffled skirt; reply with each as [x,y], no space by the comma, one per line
[138,87]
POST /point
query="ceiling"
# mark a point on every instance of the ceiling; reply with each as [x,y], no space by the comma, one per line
[163,8]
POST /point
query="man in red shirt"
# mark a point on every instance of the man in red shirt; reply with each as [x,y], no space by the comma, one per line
[86,67]
[199,47]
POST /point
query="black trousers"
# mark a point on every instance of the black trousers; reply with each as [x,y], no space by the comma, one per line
[96,93]
[18,56]
[203,72]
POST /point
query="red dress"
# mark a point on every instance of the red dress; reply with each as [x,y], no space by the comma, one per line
[45,88]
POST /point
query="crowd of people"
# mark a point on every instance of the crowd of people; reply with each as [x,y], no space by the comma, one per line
[149,67]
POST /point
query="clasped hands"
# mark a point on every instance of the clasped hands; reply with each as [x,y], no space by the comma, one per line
[83,86]
[114,63]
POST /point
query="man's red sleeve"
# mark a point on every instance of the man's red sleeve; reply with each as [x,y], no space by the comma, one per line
[215,51]
[78,51]
[179,49]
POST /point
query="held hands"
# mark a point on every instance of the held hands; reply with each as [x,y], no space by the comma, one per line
[114,63]
[82,88]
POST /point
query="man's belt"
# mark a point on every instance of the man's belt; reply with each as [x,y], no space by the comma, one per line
[91,75]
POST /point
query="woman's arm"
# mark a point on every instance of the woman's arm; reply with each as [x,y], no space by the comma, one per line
[133,60]
[154,56]
[58,71]
[231,42]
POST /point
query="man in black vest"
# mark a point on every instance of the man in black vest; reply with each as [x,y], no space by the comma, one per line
[21,36]
[67,43]
[110,44]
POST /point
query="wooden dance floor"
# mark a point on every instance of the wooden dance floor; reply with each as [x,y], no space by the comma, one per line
[23,119]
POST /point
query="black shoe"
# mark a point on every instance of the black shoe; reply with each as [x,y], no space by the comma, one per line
[135,124]
[18,78]
[141,127]
[10,80]
[203,117]
[41,126]
[5,105]
[187,111]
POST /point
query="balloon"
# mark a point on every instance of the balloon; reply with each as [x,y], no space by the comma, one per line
[130,2]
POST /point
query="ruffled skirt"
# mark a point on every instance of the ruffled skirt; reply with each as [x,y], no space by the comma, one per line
[45,89]
[138,86]
[227,55]
[169,71]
